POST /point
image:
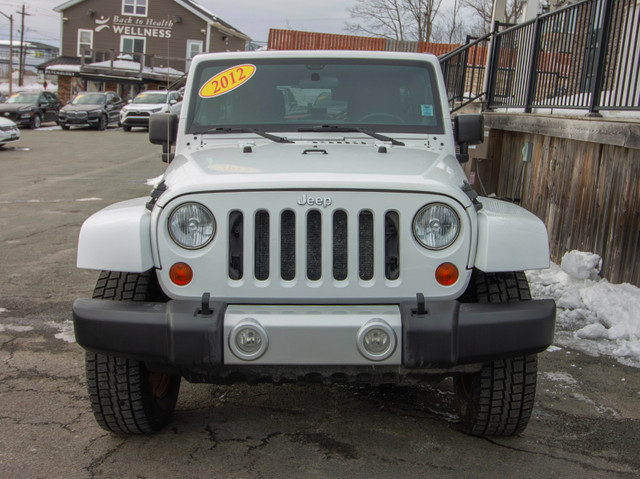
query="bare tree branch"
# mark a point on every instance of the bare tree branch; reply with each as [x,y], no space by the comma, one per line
[383,18]
[396,19]
[484,10]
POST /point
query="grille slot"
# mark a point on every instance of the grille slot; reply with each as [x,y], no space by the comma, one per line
[236,242]
[391,245]
[340,246]
[288,245]
[314,245]
[365,250]
[261,252]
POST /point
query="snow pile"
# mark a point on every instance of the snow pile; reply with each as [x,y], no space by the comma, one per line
[594,316]
[30,84]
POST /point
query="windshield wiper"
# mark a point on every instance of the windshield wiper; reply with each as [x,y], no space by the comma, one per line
[346,129]
[269,136]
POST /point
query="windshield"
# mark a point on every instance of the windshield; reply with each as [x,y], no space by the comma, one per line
[150,98]
[83,99]
[24,98]
[288,94]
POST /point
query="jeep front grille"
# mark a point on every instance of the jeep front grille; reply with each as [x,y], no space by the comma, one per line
[287,224]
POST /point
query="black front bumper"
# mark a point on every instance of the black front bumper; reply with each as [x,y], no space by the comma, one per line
[448,334]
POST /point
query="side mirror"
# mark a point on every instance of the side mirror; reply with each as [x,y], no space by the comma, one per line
[163,130]
[467,130]
[172,101]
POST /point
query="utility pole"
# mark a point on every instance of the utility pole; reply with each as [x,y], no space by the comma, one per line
[10,65]
[21,72]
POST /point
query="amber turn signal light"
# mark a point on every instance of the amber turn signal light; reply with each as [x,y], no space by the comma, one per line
[447,274]
[181,274]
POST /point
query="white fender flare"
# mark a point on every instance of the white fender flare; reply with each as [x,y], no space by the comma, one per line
[117,238]
[510,238]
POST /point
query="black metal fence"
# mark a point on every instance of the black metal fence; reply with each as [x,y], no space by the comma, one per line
[464,71]
[584,56]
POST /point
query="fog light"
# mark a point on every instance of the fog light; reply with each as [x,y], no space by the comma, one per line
[376,340]
[248,340]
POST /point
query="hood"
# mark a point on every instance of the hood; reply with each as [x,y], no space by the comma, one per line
[4,122]
[14,107]
[315,165]
[82,107]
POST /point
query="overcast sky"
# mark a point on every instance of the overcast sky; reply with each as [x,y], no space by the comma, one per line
[252,17]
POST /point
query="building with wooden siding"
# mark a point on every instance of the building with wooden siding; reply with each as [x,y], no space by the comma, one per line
[131,45]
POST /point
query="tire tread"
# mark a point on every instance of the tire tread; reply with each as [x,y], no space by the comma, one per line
[498,401]
[119,388]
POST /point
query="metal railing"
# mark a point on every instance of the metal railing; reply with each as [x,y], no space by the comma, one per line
[585,56]
[464,71]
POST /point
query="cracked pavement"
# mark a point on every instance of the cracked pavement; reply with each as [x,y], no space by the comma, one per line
[586,422]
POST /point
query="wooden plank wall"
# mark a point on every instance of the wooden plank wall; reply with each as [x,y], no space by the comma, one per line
[588,195]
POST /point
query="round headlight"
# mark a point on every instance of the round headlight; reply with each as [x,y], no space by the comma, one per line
[436,226]
[192,226]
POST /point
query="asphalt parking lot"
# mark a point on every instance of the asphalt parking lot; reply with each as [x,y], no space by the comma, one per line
[586,422]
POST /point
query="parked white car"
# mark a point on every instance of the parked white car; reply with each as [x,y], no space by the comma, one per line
[9,131]
[137,112]
[332,240]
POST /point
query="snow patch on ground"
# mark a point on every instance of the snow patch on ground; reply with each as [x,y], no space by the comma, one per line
[65,332]
[607,411]
[15,328]
[594,316]
[565,378]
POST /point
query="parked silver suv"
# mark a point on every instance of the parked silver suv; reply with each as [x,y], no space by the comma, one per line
[137,112]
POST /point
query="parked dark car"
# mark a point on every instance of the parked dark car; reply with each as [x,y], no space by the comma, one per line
[31,108]
[96,109]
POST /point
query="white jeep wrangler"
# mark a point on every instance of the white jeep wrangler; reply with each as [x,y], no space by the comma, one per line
[314,224]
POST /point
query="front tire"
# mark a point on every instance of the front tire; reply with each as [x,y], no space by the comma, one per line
[498,400]
[126,397]
[102,123]
[126,127]
[36,121]
[64,126]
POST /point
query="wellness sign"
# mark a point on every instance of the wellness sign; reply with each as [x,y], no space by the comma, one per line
[136,27]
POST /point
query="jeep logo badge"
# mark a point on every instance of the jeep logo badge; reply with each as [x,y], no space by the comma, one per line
[315,201]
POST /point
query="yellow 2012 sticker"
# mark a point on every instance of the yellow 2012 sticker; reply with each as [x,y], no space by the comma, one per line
[228,80]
